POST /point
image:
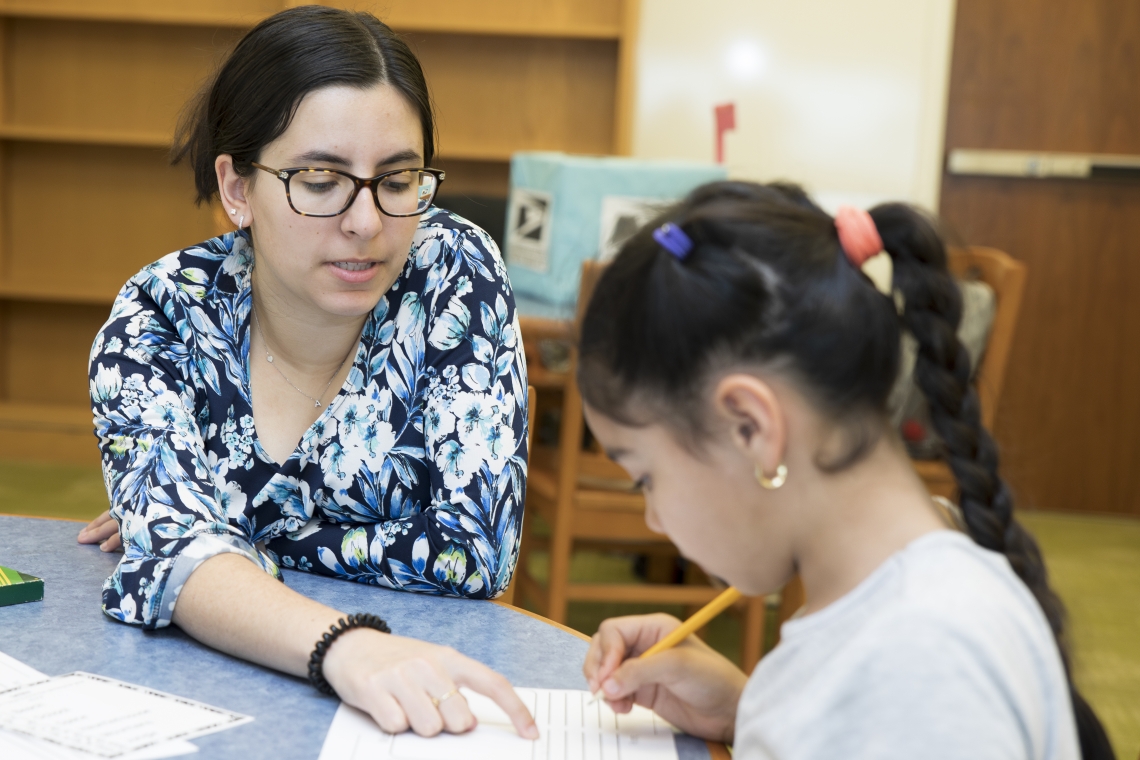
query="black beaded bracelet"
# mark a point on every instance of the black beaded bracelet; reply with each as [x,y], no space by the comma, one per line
[317,659]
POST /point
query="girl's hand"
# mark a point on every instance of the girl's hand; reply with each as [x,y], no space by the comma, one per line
[103,530]
[691,685]
[400,682]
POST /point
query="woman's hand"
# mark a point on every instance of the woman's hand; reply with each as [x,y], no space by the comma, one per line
[230,604]
[404,683]
[691,685]
[103,530]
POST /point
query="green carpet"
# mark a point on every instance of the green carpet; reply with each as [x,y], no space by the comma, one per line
[1094,563]
[51,490]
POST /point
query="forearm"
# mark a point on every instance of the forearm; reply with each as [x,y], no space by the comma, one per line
[231,605]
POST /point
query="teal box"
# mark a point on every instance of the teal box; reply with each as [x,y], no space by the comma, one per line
[564,210]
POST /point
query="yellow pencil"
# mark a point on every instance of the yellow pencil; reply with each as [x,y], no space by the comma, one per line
[723,601]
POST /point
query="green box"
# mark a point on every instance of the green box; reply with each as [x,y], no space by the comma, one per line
[17,587]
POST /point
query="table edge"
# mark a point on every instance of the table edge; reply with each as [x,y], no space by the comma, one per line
[548,621]
[717,750]
[45,517]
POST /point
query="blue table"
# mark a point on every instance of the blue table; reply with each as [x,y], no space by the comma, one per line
[68,631]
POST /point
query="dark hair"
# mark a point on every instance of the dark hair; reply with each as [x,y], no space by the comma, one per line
[251,99]
[767,284]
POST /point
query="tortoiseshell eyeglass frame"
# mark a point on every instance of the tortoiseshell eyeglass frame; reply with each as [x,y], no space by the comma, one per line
[373,183]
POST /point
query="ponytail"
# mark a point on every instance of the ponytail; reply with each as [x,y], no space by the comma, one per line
[931,313]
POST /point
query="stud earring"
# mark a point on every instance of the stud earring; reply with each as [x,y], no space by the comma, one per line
[775,481]
[233,211]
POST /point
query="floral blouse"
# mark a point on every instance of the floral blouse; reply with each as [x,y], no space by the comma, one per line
[412,478]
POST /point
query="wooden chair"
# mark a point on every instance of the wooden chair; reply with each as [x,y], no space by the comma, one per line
[508,596]
[1006,276]
[587,500]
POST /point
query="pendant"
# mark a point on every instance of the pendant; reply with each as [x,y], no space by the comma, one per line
[317,404]
[269,358]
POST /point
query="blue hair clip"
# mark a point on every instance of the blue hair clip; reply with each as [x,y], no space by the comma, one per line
[674,240]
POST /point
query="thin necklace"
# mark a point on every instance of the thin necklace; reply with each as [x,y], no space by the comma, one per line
[269,358]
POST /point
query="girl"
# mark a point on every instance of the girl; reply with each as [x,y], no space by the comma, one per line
[336,387]
[737,362]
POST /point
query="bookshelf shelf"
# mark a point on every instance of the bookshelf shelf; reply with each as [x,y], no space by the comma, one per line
[64,430]
[45,294]
[80,136]
[403,17]
[466,151]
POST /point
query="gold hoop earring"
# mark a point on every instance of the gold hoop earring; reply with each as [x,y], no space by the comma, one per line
[775,481]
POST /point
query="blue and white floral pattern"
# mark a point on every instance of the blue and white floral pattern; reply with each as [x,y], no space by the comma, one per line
[412,478]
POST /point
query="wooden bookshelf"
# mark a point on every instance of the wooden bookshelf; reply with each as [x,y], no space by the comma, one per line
[587,19]
[90,91]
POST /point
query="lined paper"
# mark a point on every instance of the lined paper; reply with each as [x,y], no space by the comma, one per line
[570,727]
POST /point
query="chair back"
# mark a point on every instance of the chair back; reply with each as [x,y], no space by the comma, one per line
[592,468]
[508,596]
[531,398]
[1006,276]
[591,273]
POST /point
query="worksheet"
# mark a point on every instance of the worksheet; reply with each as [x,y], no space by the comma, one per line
[85,715]
[15,746]
[19,747]
[15,673]
[571,724]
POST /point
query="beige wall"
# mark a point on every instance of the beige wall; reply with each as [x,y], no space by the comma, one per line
[847,97]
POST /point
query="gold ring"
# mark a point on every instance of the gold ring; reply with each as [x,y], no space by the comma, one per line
[444,697]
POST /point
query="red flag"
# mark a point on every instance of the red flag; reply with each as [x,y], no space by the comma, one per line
[725,120]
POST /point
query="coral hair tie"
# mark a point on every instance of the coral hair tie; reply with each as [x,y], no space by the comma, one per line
[857,234]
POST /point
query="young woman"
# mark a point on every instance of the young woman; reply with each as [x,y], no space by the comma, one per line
[336,387]
[737,362]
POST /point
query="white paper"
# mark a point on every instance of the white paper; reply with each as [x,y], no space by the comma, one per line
[15,673]
[84,715]
[529,217]
[622,216]
[570,729]
[20,747]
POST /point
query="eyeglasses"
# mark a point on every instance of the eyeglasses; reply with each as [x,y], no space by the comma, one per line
[328,192]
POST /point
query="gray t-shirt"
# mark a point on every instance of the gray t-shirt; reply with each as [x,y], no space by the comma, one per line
[942,652]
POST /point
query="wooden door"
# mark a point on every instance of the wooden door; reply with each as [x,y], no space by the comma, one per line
[1043,75]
